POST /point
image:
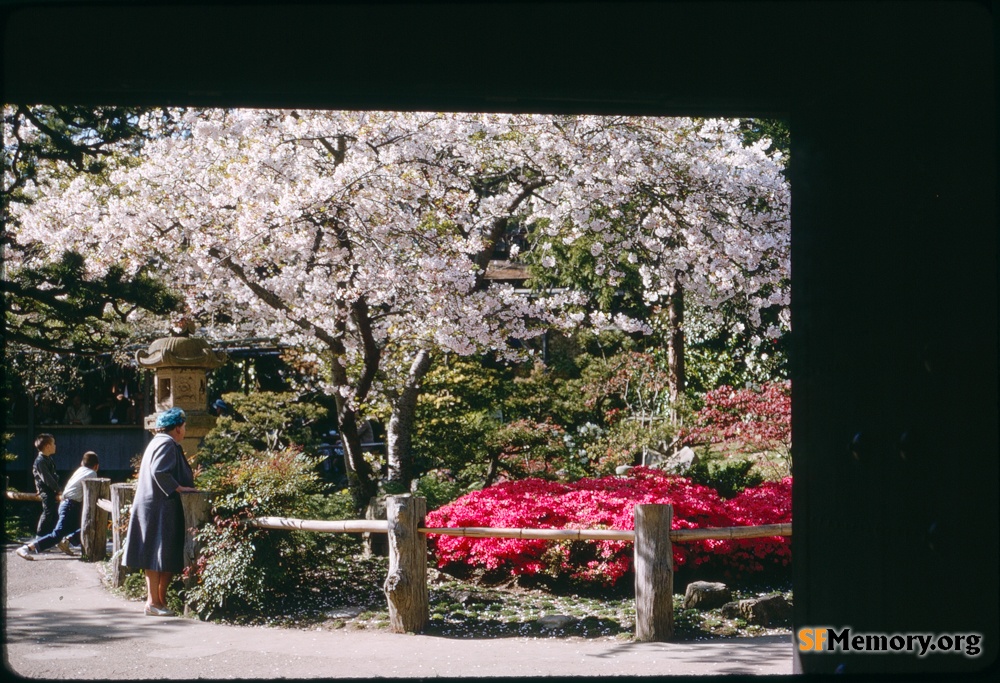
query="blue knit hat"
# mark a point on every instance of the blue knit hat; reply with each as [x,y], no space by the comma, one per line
[171,418]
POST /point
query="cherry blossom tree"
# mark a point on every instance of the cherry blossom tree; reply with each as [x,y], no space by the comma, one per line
[363,237]
[352,234]
[673,212]
[52,304]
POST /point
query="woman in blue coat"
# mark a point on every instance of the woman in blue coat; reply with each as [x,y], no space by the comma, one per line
[155,541]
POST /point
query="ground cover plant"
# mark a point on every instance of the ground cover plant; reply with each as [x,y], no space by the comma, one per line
[345,592]
[608,503]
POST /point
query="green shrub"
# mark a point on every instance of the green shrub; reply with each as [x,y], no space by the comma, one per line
[728,477]
[261,421]
[14,528]
[244,568]
[439,488]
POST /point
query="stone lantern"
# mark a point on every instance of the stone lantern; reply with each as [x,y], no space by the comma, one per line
[181,365]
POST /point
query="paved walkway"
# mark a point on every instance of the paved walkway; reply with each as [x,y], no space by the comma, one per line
[60,623]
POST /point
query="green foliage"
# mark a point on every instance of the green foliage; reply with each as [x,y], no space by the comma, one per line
[243,568]
[578,266]
[727,476]
[260,462]
[525,448]
[543,394]
[260,422]
[624,441]
[14,527]
[717,355]
[439,487]
[133,586]
[597,404]
[459,406]
[7,455]
[58,308]
[776,130]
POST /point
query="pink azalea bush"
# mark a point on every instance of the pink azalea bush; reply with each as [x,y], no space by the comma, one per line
[608,503]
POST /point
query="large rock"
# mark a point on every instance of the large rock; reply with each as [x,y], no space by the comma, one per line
[771,610]
[680,462]
[553,621]
[704,595]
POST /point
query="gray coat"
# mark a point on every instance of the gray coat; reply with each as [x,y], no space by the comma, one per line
[155,538]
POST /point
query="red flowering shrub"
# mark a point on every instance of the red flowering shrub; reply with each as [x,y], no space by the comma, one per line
[754,420]
[608,503]
[769,503]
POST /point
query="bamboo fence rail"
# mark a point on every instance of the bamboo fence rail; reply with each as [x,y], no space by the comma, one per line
[676,535]
[543,534]
[374,526]
[406,586]
[378,526]
[20,495]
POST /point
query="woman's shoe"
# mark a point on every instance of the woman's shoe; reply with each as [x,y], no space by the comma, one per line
[154,611]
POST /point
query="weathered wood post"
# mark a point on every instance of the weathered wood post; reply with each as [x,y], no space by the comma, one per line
[654,573]
[375,544]
[197,507]
[406,584]
[197,510]
[121,497]
[94,519]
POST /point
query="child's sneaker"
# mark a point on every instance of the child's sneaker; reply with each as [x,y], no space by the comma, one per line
[26,552]
[63,545]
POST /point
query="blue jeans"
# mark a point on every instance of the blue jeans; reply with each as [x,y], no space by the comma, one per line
[48,518]
[67,526]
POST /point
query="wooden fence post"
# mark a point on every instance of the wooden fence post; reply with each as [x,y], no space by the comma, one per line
[197,510]
[654,574]
[374,544]
[121,496]
[94,520]
[406,584]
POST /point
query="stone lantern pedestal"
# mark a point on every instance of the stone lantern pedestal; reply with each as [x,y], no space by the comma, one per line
[181,366]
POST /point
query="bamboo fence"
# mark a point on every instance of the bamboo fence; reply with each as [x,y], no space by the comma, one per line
[406,585]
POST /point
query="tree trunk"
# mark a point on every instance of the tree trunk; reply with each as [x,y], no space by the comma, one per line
[399,434]
[675,344]
[361,480]
[375,544]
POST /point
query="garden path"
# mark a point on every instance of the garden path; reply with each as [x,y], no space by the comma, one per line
[60,623]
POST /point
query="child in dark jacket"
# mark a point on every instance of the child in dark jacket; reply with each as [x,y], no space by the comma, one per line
[46,482]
